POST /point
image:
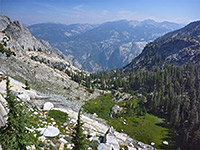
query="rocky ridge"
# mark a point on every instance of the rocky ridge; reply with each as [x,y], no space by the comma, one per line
[17,38]
[179,47]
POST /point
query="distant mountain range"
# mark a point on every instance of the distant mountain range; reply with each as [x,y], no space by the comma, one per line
[178,47]
[105,46]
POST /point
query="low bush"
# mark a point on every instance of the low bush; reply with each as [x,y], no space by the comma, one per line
[58,115]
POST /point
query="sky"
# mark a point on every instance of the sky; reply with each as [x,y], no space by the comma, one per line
[99,11]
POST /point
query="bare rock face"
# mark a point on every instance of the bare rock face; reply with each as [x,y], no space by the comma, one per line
[19,37]
[4,22]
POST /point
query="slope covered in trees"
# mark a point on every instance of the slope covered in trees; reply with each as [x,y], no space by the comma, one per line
[172,92]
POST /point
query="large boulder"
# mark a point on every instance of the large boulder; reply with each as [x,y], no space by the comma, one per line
[110,141]
[115,110]
[103,146]
[48,106]
[23,97]
[50,131]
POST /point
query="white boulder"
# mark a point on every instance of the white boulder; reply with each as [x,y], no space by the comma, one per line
[104,146]
[50,131]
[131,148]
[23,97]
[69,146]
[61,146]
[32,147]
[42,138]
[48,106]
[61,140]
[165,142]
[152,143]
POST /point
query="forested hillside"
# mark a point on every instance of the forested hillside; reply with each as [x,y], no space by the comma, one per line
[178,47]
[171,92]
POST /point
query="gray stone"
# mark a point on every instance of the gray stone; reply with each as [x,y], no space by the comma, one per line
[48,106]
[104,146]
[15,93]
[42,138]
[32,147]
[61,146]
[115,110]
[165,142]
[61,140]
[110,139]
[2,99]
[131,148]
[23,97]
[3,110]
[69,146]
[51,131]
[2,114]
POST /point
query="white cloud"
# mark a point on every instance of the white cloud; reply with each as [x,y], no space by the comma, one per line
[78,7]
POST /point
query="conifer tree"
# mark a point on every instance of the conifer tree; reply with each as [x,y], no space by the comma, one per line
[27,85]
[78,138]
[14,135]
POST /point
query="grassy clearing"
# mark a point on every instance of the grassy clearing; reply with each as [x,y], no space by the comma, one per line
[142,128]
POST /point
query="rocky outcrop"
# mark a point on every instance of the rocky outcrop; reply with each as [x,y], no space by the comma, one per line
[109,141]
[17,38]
[119,97]
[115,110]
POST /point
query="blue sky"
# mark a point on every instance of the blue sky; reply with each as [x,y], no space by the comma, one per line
[99,11]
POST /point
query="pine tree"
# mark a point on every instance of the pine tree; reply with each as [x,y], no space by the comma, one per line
[27,85]
[14,135]
[78,138]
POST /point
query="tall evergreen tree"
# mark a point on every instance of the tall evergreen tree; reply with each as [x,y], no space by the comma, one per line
[78,138]
[14,135]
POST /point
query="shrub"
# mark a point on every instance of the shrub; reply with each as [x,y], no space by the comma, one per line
[58,115]
[27,85]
